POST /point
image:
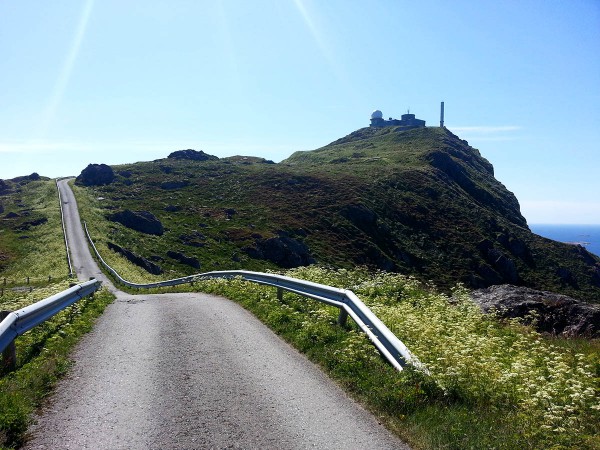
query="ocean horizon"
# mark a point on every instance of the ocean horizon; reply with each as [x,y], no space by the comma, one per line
[587,236]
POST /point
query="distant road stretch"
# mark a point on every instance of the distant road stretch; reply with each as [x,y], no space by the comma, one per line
[192,371]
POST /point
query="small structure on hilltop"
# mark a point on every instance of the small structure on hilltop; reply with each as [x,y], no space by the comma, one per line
[407,121]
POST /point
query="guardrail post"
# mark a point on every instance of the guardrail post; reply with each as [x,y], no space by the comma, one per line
[279,294]
[9,355]
[342,319]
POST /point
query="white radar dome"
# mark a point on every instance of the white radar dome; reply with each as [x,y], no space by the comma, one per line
[377,114]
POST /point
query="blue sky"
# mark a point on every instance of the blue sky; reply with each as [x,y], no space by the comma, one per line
[113,82]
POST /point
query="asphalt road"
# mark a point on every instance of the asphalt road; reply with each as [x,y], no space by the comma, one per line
[192,371]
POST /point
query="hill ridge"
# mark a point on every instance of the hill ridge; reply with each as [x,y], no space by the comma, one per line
[422,202]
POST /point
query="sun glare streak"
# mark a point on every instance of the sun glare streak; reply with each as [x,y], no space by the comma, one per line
[67,69]
[312,28]
[322,45]
[228,47]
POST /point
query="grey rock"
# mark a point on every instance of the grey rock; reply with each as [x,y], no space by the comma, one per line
[96,175]
[142,221]
[138,260]
[192,155]
[183,259]
[555,313]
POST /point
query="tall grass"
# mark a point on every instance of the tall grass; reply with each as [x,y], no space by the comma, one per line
[492,384]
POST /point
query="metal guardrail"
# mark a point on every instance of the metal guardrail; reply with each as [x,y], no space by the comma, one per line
[62,219]
[18,322]
[349,304]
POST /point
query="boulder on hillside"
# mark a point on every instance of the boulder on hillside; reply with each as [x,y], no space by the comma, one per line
[142,221]
[27,178]
[140,261]
[554,313]
[96,175]
[183,259]
[193,155]
[284,251]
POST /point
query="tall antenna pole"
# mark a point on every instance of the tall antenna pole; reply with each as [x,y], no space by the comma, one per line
[442,116]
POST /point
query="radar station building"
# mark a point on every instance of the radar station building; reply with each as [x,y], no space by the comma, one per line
[407,121]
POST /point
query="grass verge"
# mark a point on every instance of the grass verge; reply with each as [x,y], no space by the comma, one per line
[492,384]
[42,358]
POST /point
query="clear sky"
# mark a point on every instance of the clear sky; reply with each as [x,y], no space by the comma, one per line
[113,81]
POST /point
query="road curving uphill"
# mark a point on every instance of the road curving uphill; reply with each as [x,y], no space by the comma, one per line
[192,371]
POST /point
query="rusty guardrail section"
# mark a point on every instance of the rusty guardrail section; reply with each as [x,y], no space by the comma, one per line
[349,304]
[18,322]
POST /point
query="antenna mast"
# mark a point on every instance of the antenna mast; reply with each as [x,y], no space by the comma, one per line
[442,116]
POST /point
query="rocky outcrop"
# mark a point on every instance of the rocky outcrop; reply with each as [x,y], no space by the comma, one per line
[547,311]
[183,259]
[27,178]
[142,221]
[284,251]
[96,175]
[140,261]
[193,155]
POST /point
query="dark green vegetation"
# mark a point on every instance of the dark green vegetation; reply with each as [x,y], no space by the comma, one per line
[419,202]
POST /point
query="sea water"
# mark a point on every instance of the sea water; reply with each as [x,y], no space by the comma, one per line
[586,235]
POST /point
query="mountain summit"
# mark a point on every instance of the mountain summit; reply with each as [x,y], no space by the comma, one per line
[418,201]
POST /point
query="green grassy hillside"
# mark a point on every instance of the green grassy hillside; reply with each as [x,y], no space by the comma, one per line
[420,202]
[31,236]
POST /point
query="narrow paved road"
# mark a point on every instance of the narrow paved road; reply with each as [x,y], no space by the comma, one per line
[192,371]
